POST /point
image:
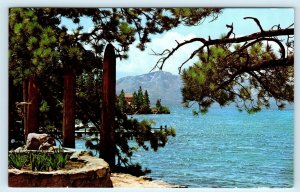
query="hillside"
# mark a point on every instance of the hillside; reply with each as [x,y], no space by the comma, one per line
[160,85]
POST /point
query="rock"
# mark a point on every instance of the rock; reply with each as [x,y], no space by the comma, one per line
[37,141]
[75,156]
[52,149]
[19,149]
[45,146]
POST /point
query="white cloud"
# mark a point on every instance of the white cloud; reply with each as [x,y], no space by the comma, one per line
[142,62]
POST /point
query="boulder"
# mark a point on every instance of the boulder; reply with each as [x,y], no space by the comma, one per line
[37,141]
[19,149]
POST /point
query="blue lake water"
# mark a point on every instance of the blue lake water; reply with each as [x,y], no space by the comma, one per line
[224,148]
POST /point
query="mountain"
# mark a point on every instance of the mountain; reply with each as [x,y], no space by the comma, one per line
[160,85]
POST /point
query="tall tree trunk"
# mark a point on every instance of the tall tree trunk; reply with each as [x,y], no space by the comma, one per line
[33,106]
[69,109]
[107,139]
[25,92]
[11,111]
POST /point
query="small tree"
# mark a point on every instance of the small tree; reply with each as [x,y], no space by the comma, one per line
[158,104]
[146,103]
[134,103]
[140,99]
[122,103]
[160,108]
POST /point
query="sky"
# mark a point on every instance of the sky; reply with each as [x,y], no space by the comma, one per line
[141,62]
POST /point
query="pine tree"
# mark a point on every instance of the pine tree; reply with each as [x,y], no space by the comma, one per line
[219,79]
[146,103]
[40,46]
[140,99]
[134,102]
[158,104]
[32,51]
[122,103]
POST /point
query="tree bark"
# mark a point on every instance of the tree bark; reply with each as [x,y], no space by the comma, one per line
[25,92]
[69,109]
[33,106]
[11,110]
[107,139]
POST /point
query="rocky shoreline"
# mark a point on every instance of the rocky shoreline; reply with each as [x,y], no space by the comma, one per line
[122,180]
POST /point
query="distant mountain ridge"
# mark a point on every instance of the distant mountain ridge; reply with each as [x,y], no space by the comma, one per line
[160,85]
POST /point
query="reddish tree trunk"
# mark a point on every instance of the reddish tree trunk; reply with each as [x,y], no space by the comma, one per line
[107,139]
[69,109]
[25,91]
[33,106]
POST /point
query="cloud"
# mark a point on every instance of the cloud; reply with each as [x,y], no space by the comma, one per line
[140,62]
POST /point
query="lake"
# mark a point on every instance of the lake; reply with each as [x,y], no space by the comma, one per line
[224,148]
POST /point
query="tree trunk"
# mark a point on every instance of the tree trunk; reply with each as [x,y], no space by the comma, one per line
[11,111]
[33,106]
[25,92]
[107,139]
[69,109]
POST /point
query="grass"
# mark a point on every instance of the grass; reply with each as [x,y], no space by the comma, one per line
[16,160]
[37,161]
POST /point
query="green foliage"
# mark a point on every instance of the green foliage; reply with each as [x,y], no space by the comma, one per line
[38,161]
[44,106]
[31,43]
[158,104]
[16,160]
[134,101]
[59,160]
[146,103]
[164,110]
[228,75]
[160,108]
[141,133]
[130,135]
[140,104]
[40,45]
[122,103]
[140,98]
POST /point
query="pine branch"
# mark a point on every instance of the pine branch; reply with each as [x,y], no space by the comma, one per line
[248,40]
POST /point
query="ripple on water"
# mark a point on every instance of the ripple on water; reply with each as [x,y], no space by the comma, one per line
[224,148]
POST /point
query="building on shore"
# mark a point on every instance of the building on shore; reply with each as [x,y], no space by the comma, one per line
[128,98]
